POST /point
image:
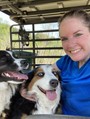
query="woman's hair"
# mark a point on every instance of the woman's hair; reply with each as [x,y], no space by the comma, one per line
[76,13]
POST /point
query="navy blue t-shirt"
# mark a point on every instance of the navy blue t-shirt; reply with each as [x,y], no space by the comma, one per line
[75,87]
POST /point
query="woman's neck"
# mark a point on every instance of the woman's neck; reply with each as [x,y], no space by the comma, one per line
[82,62]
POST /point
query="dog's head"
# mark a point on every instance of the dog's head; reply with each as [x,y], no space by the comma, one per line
[10,67]
[44,81]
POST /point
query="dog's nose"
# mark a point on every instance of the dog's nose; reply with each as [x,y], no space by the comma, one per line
[24,63]
[54,83]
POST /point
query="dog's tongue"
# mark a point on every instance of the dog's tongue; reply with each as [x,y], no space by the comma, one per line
[51,95]
[18,75]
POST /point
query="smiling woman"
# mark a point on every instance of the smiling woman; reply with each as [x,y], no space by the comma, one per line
[74,30]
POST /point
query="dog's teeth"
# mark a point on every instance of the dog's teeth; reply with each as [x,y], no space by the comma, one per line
[5,74]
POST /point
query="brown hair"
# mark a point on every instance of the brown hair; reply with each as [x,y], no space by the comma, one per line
[77,13]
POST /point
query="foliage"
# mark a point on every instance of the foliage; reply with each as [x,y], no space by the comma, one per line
[4,35]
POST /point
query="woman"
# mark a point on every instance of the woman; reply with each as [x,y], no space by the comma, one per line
[74,29]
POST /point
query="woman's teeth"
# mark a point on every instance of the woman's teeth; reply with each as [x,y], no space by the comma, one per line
[75,51]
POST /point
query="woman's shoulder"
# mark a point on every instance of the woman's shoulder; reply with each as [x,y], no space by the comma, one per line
[64,61]
[65,58]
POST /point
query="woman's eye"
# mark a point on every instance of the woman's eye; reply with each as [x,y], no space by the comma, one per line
[64,39]
[78,34]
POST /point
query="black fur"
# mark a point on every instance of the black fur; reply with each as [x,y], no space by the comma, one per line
[20,105]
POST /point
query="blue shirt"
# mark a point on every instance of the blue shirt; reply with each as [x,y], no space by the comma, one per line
[75,87]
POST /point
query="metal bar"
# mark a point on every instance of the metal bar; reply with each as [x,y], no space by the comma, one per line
[31,40]
[44,48]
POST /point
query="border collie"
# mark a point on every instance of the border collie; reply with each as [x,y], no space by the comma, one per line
[10,77]
[43,85]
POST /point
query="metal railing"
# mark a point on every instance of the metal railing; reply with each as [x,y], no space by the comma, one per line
[45,49]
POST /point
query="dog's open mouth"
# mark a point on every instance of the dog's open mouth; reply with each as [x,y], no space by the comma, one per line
[14,75]
[51,94]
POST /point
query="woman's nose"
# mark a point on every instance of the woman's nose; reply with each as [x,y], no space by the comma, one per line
[71,40]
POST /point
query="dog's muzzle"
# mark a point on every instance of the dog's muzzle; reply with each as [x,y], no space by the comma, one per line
[50,94]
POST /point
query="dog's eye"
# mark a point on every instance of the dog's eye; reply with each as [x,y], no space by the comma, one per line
[15,55]
[7,55]
[54,72]
[40,74]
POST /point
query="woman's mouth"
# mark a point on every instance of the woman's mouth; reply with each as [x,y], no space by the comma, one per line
[75,51]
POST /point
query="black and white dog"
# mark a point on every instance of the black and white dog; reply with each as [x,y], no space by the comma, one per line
[44,86]
[10,77]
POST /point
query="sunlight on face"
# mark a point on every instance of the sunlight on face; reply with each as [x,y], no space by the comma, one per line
[75,38]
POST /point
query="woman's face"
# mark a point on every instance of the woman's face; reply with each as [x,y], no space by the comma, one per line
[75,36]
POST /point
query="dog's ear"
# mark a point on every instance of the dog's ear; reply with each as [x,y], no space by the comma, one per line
[31,74]
[23,91]
[59,75]
[30,97]
[8,49]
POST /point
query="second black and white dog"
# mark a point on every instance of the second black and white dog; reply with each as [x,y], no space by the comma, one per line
[10,77]
[44,85]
